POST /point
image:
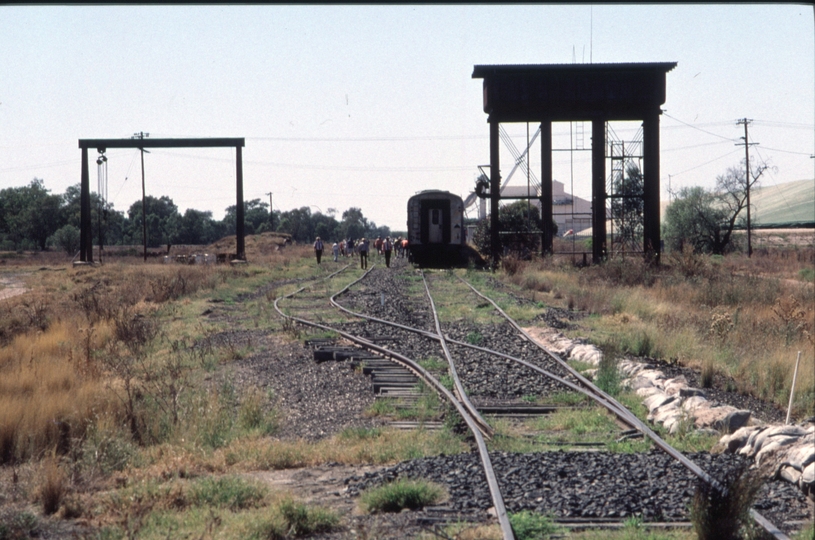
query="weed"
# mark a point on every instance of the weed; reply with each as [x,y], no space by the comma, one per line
[474,338]
[107,447]
[217,422]
[19,526]
[360,433]
[252,416]
[806,274]
[229,492]
[608,378]
[512,265]
[401,494]
[532,526]
[708,374]
[53,486]
[134,329]
[300,520]
[725,515]
[382,407]
[433,363]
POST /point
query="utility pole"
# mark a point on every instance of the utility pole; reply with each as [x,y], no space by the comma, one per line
[142,135]
[271,211]
[746,121]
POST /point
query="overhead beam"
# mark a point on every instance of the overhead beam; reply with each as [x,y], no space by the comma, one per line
[85,230]
[161,143]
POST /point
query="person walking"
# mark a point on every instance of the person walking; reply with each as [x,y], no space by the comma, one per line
[363,253]
[318,249]
[336,249]
[387,248]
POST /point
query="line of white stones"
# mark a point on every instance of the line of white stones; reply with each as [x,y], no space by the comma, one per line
[779,451]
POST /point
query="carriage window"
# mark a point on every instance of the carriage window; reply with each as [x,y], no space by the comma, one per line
[435,217]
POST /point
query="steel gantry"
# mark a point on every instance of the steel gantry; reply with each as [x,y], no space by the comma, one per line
[86,234]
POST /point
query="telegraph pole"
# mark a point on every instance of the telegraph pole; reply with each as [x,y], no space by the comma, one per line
[142,135]
[271,211]
[746,121]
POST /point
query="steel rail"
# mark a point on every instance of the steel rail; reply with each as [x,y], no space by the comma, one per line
[486,429]
[489,472]
[590,390]
[637,423]
[462,394]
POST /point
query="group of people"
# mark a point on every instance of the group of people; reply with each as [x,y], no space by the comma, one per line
[349,248]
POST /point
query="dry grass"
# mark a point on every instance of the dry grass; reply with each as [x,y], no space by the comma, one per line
[74,346]
[53,486]
[48,392]
[746,318]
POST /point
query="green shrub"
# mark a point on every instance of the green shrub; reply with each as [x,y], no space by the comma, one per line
[292,519]
[302,520]
[608,377]
[531,526]
[401,494]
[229,492]
[806,274]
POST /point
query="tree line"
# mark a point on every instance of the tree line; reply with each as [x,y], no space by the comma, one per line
[32,218]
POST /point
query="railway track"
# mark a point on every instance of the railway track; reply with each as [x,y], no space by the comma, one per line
[520,357]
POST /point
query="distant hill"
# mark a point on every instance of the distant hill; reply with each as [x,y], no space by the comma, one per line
[791,204]
[782,206]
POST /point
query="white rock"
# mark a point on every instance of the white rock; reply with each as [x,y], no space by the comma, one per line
[773,446]
[648,391]
[639,382]
[657,400]
[693,403]
[586,353]
[776,431]
[808,476]
[672,386]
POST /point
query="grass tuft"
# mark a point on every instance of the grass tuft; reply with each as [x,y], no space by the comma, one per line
[53,486]
[532,526]
[401,494]
[716,515]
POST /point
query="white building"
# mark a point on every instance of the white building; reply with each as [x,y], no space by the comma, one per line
[569,212]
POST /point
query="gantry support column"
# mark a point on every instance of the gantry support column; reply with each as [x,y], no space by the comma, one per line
[239,209]
[651,210]
[547,237]
[86,232]
[598,189]
[495,194]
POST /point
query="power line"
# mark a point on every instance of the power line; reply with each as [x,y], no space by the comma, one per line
[706,163]
[699,129]
[787,151]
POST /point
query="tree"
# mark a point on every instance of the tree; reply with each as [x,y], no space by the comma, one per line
[29,215]
[163,221]
[297,222]
[255,217]
[521,228]
[112,221]
[706,219]
[197,227]
[627,207]
[354,224]
[66,238]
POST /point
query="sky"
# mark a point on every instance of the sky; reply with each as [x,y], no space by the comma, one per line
[365,105]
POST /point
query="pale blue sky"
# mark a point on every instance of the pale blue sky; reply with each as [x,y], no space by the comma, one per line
[366,105]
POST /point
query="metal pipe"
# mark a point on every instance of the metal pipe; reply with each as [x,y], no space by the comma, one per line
[792,389]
